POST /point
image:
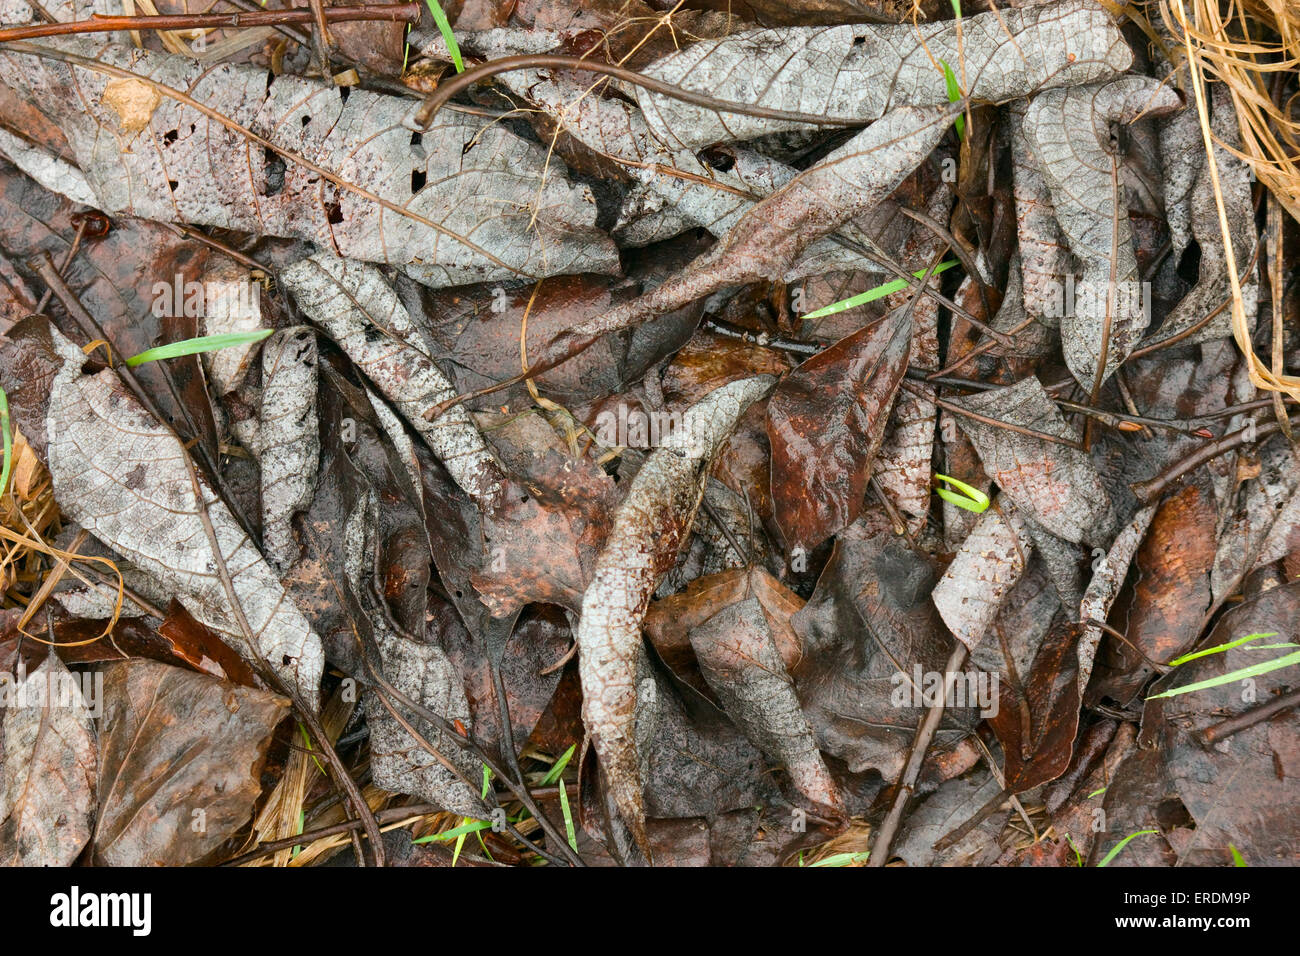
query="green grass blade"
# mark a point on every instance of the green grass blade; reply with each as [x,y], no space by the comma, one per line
[570,833]
[557,768]
[842,859]
[469,826]
[1254,670]
[879,292]
[1219,649]
[444,27]
[1105,861]
[302,825]
[1237,858]
[9,442]
[954,95]
[204,343]
[972,499]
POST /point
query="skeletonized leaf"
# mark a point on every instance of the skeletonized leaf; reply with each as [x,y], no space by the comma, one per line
[741,663]
[1070,131]
[177,748]
[649,528]
[48,759]
[460,199]
[124,477]
[1056,484]
[990,562]
[289,438]
[357,307]
[860,72]
[825,423]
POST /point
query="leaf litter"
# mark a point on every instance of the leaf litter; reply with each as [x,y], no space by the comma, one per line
[618,417]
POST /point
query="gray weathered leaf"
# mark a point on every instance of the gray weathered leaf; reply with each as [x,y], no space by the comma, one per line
[357,307]
[1212,288]
[290,438]
[649,528]
[770,237]
[860,72]
[457,204]
[1070,132]
[1044,255]
[1107,578]
[399,762]
[48,761]
[740,661]
[124,478]
[990,562]
[1056,484]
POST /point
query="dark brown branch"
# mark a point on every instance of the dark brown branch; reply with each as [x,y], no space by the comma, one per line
[1148,491]
[388,12]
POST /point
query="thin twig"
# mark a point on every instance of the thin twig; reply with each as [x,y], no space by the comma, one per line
[386,12]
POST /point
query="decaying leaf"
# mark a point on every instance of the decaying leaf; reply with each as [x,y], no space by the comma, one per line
[48,760]
[990,562]
[457,207]
[1108,576]
[402,764]
[177,747]
[289,438]
[862,71]
[741,663]
[770,237]
[649,528]
[124,477]
[1070,131]
[1239,790]
[1056,484]
[825,422]
[870,641]
[357,307]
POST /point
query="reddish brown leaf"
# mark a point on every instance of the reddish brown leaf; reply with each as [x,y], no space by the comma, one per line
[825,422]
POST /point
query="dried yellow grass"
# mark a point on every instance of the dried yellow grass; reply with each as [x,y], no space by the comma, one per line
[1244,45]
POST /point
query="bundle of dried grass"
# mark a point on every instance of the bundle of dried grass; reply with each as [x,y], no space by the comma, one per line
[1253,48]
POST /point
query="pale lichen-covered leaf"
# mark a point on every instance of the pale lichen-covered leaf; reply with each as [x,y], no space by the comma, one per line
[359,310]
[649,528]
[859,72]
[289,438]
[740,661]
[1044,254]
[1056,484]
[399,762]
[477,183]
[1107,577]
[48,758]
[177,749]
[1070,133]
[124,477]
[52,172]
[232,304]
[990,562]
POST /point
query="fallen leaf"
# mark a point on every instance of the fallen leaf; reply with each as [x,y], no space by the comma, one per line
[180,759]
[47,767]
